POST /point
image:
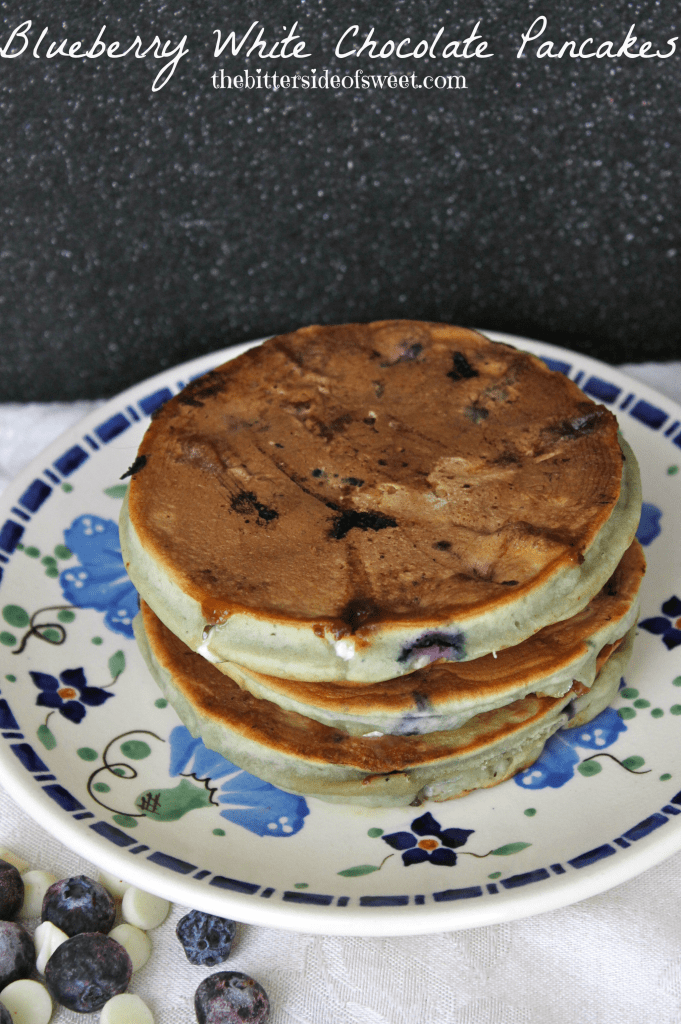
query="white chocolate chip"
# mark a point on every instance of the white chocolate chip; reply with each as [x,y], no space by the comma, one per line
[112,884]
[46,938]
[345,649]
[27,1001]
[144,910]
[126,1008]
[205,652]
[134,941]
[36,884]
[420,662]
[19,863]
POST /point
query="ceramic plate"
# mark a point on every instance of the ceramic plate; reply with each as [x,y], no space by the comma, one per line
[93,752]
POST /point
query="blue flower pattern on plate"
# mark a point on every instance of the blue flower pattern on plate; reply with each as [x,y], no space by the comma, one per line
[427,841]
[254,805]
[69,694]
[556,763]
[649,526]
[667,625]
[100,582]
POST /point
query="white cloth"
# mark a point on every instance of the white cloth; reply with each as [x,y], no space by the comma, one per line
[611,959]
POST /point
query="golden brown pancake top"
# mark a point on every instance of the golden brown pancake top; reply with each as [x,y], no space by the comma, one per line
[373,472]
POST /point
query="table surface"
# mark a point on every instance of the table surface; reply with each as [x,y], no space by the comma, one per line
[613,958]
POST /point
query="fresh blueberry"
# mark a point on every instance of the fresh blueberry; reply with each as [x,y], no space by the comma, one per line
[5,1015]
[11,891]
[207,940]
[79,905]
[17,953]
[229,997]
[86,971]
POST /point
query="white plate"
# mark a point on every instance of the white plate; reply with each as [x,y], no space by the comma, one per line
[91,751]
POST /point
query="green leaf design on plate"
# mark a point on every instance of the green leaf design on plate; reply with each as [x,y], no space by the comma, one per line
[509,848]
[361,869]
[172,804]
[633,762]
[46,737]
[116,664]
[136,750]
[15,615]
[117,491]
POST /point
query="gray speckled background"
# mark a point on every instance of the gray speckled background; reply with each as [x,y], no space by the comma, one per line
[138,229]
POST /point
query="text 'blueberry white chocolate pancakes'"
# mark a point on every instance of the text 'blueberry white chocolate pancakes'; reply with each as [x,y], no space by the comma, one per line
[403,554]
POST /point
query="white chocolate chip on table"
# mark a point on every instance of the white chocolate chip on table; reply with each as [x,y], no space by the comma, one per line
[47,937]
[126,1008]
[135,942]
[36,884]
[144,910]
[113,884]
[27,1001]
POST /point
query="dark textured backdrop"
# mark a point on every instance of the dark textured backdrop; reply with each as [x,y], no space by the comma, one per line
[138,229]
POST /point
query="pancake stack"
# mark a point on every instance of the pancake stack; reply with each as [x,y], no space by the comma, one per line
[383,563]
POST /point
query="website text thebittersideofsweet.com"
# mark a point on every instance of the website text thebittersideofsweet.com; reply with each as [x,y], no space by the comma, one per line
[274,81]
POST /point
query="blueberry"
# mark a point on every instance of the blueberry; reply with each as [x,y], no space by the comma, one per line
[17,953]
[86,971]
[79,905]
[207,940]
[229,997]
[11,891]
[5,1015]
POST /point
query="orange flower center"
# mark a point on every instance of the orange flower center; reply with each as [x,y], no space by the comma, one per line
[678,623]
[428,844]
[67,693]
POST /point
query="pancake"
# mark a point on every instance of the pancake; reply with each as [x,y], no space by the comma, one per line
[352,503]
[306,757]
[446,695]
